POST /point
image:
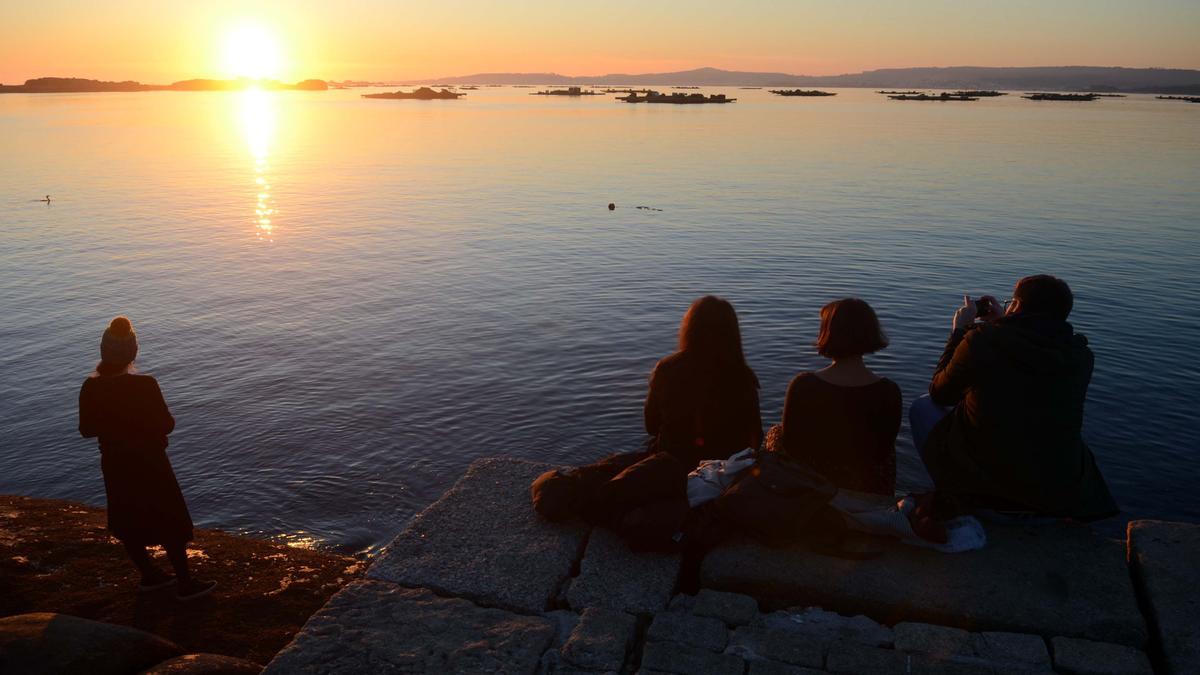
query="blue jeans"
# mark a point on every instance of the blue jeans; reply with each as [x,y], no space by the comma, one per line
[922,417]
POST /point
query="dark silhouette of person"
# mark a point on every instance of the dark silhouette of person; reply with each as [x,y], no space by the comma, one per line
[1001,427]
[126,412]
[703,399]
[702,404]
[842,420]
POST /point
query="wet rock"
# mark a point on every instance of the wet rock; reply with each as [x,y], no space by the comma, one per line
[829,626]
[748,643]
[483,541]
[798,650]
[1047,580]
[1085,657]
[734,609]
[204,664]
[44,642]
[601,640]
[1014,650]
[937,641]
[372,626]
[695,631]
[1163,557]
[614,577]
[672,657]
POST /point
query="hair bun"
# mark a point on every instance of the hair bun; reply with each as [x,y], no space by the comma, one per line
[120,327]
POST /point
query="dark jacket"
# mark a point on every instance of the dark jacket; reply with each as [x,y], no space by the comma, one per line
[1014,437]
[698,410]
[128,415]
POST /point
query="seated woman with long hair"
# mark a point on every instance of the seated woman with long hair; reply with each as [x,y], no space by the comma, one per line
[842,420]
[703,400]
[702,404]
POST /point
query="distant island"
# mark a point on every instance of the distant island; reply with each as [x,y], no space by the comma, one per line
[1042,78]
[70,85]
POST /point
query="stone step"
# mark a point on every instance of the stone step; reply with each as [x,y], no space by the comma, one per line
[1053,580]
[483,541]
[375,626]
[1165,560]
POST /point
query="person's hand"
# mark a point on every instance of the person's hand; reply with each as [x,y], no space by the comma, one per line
[965,316]
[994,309]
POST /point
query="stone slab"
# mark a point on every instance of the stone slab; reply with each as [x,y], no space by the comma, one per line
[755,643]
[483,541]
[937,641]
[1165,558]
[846,656]
[1014,650]
[776,668]
[373,626]
[829,626]
[1085,657]
[1048,580]
[44,642]
[734,609]
[672,657]
[601,639]
[694,631]
[614,577]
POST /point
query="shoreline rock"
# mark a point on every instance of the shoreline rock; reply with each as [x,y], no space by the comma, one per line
[56,556]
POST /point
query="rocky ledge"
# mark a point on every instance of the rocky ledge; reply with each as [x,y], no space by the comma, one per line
[477,583]
[68,596]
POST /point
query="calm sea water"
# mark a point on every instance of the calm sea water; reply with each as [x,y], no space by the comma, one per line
[346,301]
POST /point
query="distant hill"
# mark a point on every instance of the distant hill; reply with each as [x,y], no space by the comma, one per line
[1055,78]
[64,85]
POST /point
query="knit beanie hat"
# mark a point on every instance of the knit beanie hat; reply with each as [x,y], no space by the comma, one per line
[119,345]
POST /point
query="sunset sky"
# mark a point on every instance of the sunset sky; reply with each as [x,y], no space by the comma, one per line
[377,39]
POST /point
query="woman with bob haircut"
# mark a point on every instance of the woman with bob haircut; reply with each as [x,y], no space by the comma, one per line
[703,399]
[842,420]
[127,414]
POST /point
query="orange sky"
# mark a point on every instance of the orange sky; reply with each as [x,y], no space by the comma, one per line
[372,39]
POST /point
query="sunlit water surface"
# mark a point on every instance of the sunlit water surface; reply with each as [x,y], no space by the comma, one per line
[346,300]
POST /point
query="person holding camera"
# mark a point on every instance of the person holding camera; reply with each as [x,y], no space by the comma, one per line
[1001,427]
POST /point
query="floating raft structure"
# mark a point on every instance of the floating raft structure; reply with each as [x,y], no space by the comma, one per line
[1189,99]
[909,93]
[802,92]
[570,91]
[1044,96]
[932,97]
[980,93]
[422,94]
[677,98]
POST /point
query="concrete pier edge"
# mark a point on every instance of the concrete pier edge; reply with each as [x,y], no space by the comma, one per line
[508,592]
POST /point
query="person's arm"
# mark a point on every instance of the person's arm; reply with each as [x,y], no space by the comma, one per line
[160,418]
[89,422]
[954,373]
[651,410]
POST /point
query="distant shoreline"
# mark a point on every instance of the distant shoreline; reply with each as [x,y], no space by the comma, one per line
[76,85]
[1169,81]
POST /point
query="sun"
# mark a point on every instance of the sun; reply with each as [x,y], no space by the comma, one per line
[252,50]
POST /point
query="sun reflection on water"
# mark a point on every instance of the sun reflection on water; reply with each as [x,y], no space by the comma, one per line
[257,118]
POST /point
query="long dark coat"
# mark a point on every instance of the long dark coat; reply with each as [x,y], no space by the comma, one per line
[128,415]
[1015,434]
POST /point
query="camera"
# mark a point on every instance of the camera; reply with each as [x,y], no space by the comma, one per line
[982,307]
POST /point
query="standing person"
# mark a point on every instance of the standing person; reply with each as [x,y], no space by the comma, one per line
[703,399]
[842,420]
[128,415]
[1002,426]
